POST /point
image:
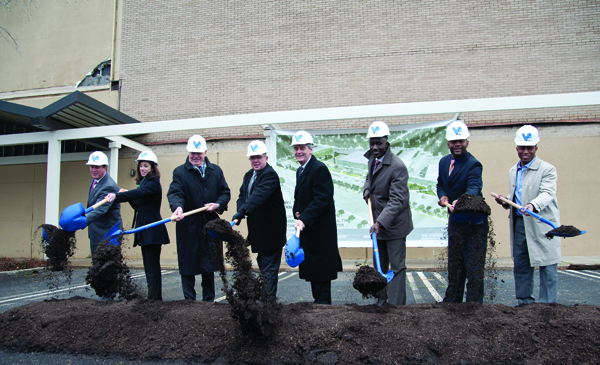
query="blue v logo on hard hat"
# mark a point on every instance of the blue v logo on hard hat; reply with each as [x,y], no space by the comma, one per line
[254,148]
[527,136]
[375,129]
[144,154]
[95,158]
[298,137]
[457,131]
[197,144]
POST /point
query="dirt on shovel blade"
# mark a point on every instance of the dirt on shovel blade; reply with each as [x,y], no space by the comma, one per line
[110,276]
[472,203]
[568,230]
[258,315]
[368,281]
[59,248]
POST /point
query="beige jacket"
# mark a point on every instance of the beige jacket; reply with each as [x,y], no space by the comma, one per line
[539,189]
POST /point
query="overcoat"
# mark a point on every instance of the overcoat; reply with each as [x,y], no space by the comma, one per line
[265,210]
[189,190]
[103,218]
[539,189]
[465,178]
[313,199]
[146,200]
[388,186]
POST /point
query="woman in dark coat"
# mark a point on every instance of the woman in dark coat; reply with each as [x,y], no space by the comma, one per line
[146,200]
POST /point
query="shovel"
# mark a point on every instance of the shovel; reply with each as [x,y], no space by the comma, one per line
[70,218]
[390,274]
[115,232]
[554,226]
[294,254]
[466,217]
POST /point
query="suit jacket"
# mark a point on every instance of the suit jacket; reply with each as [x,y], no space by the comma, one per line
[146,201]
[265,210]
[195,252]
[313,199]
[390,197]
[465,178]
[539,189]
[103,218]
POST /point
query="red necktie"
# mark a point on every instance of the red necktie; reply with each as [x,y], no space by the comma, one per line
[451,167]
[93,186]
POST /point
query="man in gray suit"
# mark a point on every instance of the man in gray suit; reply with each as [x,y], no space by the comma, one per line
[387,187]
[103,218]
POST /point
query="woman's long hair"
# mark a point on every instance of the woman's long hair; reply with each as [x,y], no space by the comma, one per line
[153,172]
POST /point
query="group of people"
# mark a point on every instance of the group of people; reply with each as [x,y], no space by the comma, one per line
[532,185]
[199,183]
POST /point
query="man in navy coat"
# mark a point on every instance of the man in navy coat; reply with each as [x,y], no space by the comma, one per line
[314,211]
[196,184]
[261,201]
[460,173]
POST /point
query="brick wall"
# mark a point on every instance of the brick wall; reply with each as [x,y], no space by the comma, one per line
[187,59]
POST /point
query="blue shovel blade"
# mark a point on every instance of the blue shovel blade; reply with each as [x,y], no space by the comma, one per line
[294,254]
[113,234]
[216,235]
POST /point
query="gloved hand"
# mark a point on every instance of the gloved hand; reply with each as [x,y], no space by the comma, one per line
[74,224]
[241,214]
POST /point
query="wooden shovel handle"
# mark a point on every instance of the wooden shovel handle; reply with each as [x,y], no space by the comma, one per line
[191,212]
[99,203]
[507,201]
[370,212]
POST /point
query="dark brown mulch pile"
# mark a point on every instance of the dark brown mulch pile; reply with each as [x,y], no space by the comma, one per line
[569,230]
[311,333]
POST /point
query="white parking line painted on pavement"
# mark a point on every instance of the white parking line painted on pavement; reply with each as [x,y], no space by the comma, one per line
[281,273]
[594,273]
[440,278]
[413,287]
[430,287]
[579,274]
[53,292]
[287,277]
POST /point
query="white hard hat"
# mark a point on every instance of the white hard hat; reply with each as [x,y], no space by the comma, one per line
[256,148]
[97,159]
[527,135]
[147,156]
[378,129]
[301,137]
[196,144]
[457,130]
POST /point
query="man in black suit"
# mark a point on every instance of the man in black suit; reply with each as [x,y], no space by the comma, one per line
[102,219]
[261,201]
[460,173]
[314,211]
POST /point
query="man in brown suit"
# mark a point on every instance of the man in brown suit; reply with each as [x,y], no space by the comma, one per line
[387,187]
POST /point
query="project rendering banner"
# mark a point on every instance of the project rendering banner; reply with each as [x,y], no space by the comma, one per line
[420,146]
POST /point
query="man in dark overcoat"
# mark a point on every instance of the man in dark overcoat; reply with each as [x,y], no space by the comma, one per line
[314,211]
[261,201]
[460,173]
[197,183]
[387,187]
[102,219]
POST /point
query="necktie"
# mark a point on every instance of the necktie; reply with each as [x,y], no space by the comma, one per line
[451,167]
[376,164]
[93,186]
[251,182]
[300,170]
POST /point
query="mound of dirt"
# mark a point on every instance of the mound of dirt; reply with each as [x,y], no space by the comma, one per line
[441,333]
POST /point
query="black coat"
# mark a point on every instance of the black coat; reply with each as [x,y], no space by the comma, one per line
[313,199]
[265,210]
[465,178]
[195,252]
[146,200]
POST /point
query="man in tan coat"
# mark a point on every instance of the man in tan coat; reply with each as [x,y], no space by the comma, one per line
[532,185]
[387,187]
